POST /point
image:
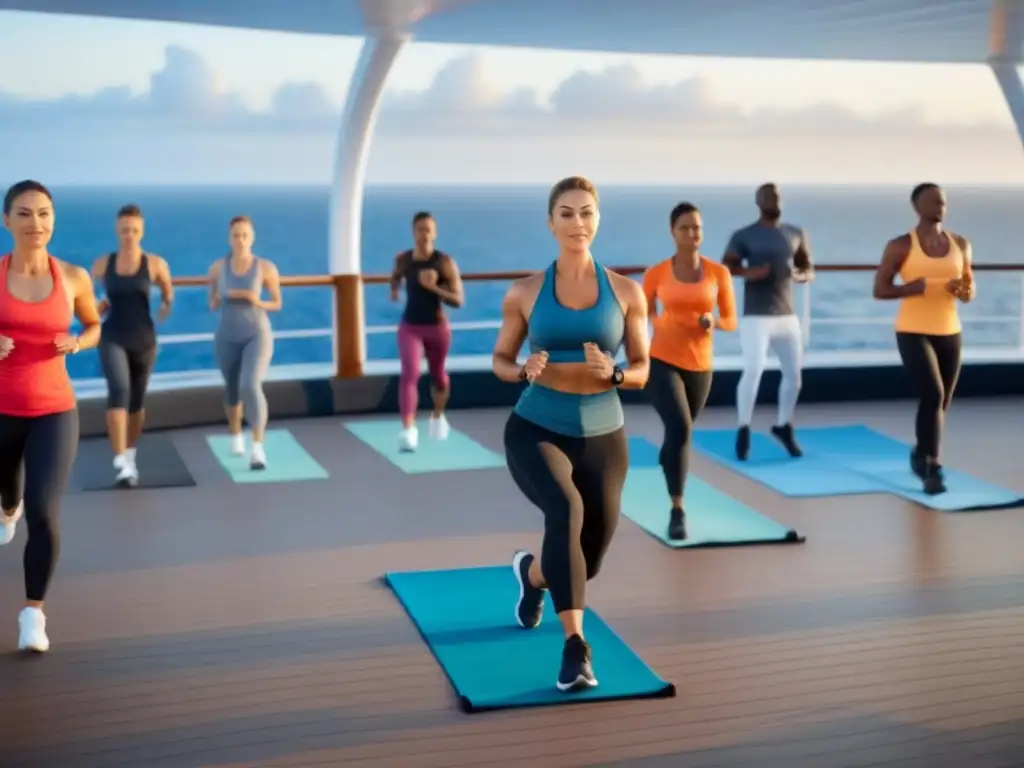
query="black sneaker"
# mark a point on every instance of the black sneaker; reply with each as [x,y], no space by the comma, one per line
[917,463]
[677,524]
[784,434]
[577,673]
[742,443]
[530,607]
[934,482]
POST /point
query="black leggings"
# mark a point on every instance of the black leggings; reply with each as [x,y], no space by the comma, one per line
[36,455]
[577,483]
[127,373]
[678,396]
[933,363]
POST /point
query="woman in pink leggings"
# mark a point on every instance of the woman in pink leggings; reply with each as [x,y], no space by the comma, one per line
[431,279]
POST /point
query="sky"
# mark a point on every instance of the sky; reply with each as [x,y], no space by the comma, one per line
[125,102]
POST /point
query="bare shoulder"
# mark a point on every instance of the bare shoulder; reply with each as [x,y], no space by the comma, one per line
[962,241]
[158,262]
[99,264]
[524,290]
[898,246]
[527,287]
[74,274]
[628,290]
[268,267]
[72,271]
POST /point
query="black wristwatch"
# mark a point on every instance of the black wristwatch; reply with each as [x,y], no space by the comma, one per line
[617,376]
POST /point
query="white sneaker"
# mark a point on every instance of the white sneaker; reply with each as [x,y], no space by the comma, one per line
[126,476]
[258,457]
[10,524]
[238,445]
[129,456]
[408,439]
[439,429]
[32,631]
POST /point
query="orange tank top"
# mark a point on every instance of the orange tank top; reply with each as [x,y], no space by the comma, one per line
[933,313]
[678,338]
[34,377]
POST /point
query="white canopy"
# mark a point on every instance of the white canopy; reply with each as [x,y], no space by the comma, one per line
[880,30]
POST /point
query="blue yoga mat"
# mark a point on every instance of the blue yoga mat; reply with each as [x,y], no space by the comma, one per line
[459,451]
[287,460]
[768,463]
[467,618]
[713,518]
[887,461]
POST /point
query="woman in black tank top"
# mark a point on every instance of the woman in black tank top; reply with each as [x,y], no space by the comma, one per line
[127,347]
[431,280]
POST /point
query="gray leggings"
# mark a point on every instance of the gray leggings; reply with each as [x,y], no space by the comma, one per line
[244,365]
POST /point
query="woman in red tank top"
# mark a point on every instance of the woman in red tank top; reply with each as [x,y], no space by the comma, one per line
[39,298]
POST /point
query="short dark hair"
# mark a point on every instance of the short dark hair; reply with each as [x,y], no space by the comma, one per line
[240,220]
[920,189]
[17,190]
[129,210]
[570,184]
[681,210]
[420,216]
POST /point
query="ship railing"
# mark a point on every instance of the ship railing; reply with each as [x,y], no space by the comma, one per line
[857,330]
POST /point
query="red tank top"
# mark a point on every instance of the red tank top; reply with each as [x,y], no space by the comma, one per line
[34,377]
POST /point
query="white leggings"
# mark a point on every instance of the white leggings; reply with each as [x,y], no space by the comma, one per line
[780,333]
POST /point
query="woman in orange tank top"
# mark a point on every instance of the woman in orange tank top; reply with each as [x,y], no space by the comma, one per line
[934,267]
[688,286]
[39,296]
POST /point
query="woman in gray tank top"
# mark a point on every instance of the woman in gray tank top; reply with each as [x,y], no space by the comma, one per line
[244,341]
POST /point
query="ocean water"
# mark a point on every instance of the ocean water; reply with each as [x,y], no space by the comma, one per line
[505,228]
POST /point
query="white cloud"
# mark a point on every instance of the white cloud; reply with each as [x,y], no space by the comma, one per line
[184,97]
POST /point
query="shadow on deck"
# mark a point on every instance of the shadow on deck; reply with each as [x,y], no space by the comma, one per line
[245,625]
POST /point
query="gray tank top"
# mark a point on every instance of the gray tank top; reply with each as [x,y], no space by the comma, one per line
[240,320]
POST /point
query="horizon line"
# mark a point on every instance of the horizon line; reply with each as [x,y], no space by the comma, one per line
[524,185]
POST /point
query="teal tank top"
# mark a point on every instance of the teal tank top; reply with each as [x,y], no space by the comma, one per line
[562,332]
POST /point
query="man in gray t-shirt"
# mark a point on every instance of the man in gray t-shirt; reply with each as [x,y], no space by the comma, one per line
[770,256]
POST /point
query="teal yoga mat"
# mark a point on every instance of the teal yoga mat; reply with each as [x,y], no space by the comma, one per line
[467,619]
[713,518]
[768,464]
[887,462]
[458,452]
[287,460]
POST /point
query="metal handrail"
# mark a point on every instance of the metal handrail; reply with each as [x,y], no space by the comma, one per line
[326,281]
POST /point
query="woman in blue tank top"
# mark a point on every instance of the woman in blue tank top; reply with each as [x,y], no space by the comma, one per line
[565,443]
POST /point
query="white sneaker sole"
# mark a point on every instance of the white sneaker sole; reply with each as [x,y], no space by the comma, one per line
[579,684]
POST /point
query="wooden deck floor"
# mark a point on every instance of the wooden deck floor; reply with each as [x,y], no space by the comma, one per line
[228,625]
